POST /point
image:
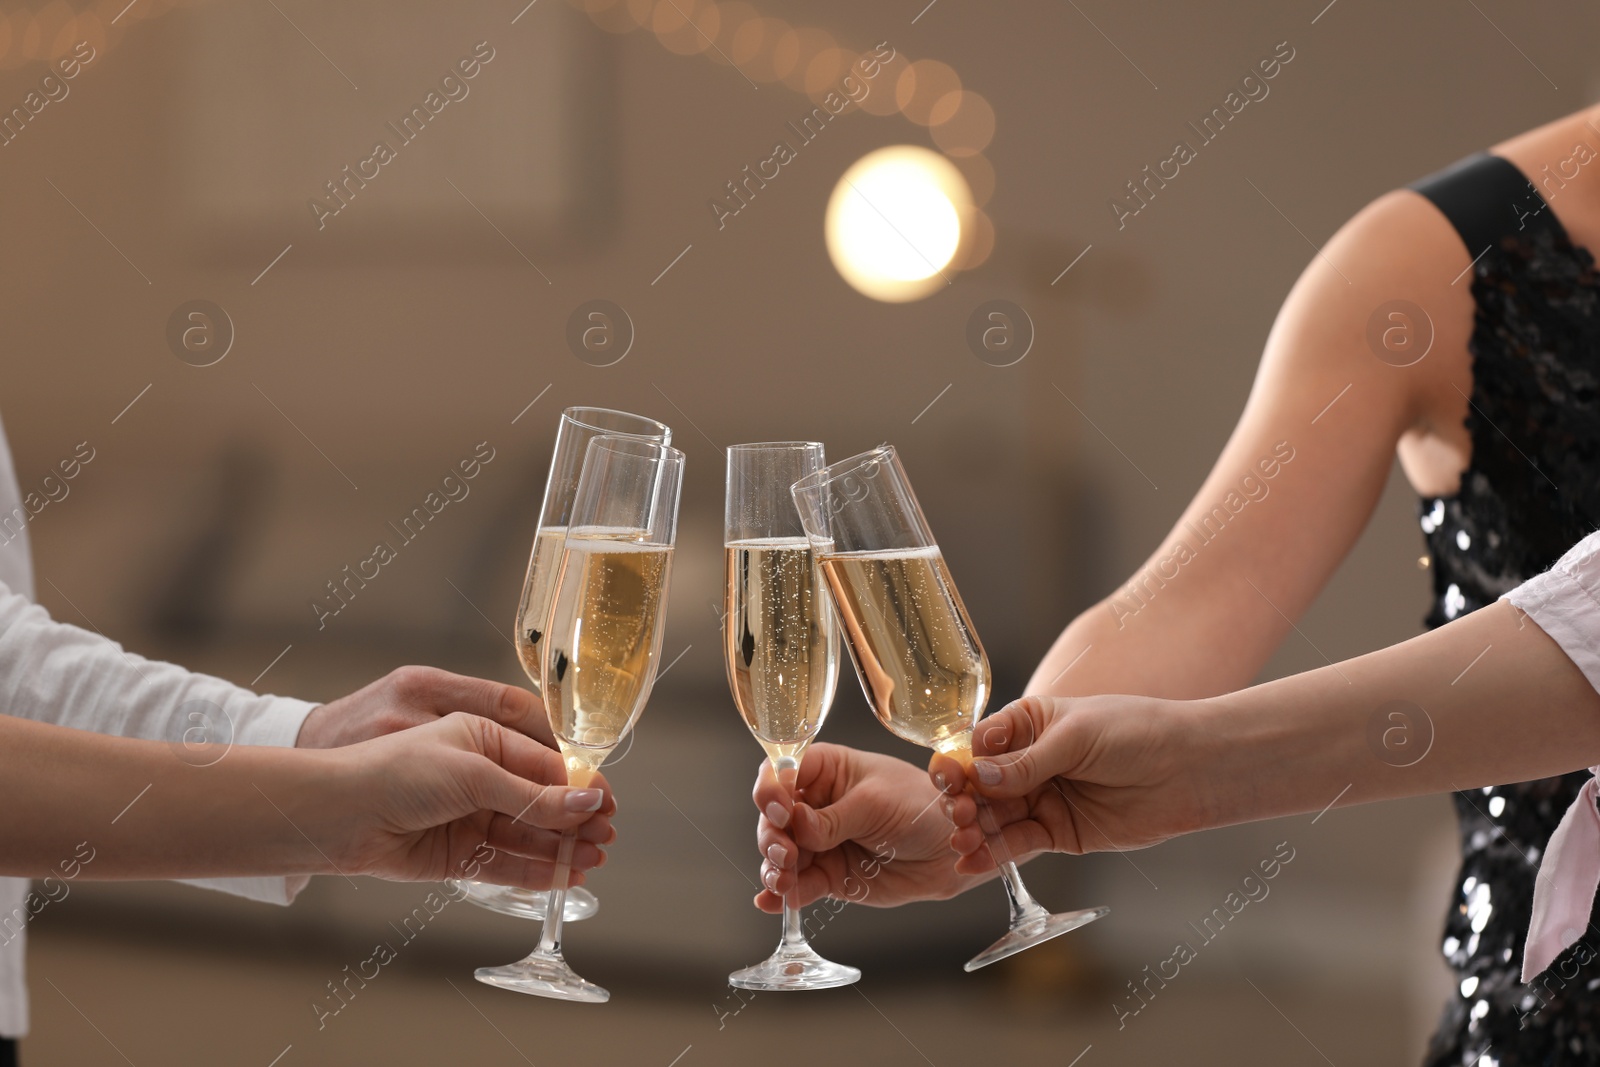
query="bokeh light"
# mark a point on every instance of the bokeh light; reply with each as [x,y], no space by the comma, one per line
[895,222]
[734,15]
[809,43]
[979,173]
[880,99]
[686,27]
[613,16]
[977,242]
[10,50]
[963,123]
[826,70]
[783,51]
[921,86]
[754,48]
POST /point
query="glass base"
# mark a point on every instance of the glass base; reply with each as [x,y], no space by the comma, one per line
[543,975]
[790,969]
[529,903]
[1033,932]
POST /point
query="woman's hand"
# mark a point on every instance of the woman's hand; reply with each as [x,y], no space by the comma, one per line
[462,797]
[866,828]
[412,696]
[1078,775]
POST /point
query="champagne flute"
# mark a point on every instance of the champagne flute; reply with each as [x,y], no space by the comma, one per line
[601,649]
[918,657]
[781,646]
[579,426]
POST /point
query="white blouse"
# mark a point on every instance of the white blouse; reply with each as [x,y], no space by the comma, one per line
[52,672]
[1565,603]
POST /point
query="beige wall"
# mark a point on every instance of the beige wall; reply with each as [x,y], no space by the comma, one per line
[398,342]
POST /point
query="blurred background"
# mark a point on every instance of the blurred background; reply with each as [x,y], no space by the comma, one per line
[358,336]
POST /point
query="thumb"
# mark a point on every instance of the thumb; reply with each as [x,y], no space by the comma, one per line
[848,814]
[821,829]
[1020,747]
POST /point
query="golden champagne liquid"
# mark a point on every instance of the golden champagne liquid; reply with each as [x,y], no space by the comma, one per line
[604,642]
[780,643]
[924,672]
[537,590]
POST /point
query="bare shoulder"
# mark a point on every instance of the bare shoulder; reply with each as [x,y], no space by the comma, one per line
[1401,247]
[1386,306]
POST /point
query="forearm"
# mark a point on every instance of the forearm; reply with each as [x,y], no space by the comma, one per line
[1163,653]
[1201,617]
[1296,483]
[146,813]
[1486,700]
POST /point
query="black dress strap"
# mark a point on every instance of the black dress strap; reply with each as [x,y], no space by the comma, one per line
[1487,198]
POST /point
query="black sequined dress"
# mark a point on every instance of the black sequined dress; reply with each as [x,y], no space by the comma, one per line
[1530,493]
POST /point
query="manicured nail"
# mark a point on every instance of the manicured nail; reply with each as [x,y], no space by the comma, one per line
[769,878]
[584,800]
[778,855]
[777,815]
[949,807]
[988,771]
[940,783]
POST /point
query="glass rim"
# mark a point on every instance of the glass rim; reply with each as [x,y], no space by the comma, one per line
[569,415]
[834,471]
[773,446]
[611,441]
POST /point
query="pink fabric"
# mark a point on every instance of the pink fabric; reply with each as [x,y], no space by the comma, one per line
[1565,603]
[1563,894]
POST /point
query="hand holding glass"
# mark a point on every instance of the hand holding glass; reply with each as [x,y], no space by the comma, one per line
[915,650]
[781,646]
[579,426]
[601,649]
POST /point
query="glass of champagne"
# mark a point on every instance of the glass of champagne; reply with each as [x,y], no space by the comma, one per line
[601,649]
[579,426]
[918,657]
[781,646]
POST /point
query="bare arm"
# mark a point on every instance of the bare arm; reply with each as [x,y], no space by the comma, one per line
[1290,493]
[1490,698]
[1520,712]
[1299,477]
[422,804]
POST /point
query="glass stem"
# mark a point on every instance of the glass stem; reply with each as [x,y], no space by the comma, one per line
[794,934]
[556,906]
[1024,909]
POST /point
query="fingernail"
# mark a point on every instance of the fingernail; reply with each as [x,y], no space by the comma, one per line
[584,800]
[777,815]
[778,855]
[769,878]
[940,783]
[988,771]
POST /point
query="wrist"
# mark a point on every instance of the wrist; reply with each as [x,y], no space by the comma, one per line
[317,800]
[314,729]
[1272,761]
[1201,746]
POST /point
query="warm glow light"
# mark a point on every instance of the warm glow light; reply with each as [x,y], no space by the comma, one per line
[894,222]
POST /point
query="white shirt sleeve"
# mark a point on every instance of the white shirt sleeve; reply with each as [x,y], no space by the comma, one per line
[56,673]
[1565,602]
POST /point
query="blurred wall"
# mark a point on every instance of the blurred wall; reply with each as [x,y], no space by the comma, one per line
[370,358]
[380,368]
